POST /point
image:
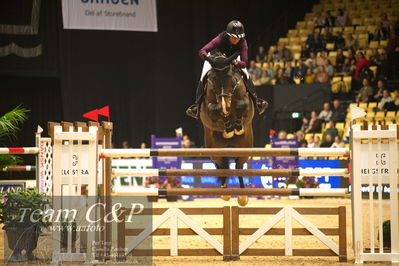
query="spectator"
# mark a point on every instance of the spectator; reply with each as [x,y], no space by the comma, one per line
[187,143]
[329,20]
[385,100]
[125,144]
[339,41]
[300,70]
[281,78]
[314,41]
[305,51]
[338,114]
[254,71]
[393,56]
[322,76]
[265,79]
[365,92]
[342,19]
[269,70]
[314,124]
[375,58]
[329,68]
[328,141]
[383,68]
[317,141]
[284,54]
[143,145]
[305,124]
[261,55]
[340,60]
[378,91]
[327,37]
[331,130]
[338,143]
[321,60]
[384,25]
[351,43]
[302,143]
[310,76]
[311,61]
[311,143]
[326,113]
[289,72]
[361,63]
[376,35]
[346,69]
[318,21]
[282,134]
[396,99]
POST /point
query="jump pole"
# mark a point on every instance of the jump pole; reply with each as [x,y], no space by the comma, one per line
[230,172]
[225,152]
[236,191]
[20,150]
[19,168]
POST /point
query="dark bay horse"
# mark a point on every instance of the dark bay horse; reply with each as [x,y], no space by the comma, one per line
[226,114]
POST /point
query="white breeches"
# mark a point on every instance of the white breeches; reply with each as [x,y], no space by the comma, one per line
[206,67]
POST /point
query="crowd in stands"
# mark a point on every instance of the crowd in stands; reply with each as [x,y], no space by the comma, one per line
[327,53]
[337,49]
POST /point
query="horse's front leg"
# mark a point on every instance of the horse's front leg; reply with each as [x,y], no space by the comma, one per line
[222,163]
[242,200]
[241,107]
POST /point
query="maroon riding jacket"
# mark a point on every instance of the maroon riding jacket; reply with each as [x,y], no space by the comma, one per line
[223,45]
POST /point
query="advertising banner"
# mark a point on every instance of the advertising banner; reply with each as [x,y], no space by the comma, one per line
[128,15]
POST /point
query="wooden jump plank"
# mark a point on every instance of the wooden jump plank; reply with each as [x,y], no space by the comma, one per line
[295,231]
[181,231]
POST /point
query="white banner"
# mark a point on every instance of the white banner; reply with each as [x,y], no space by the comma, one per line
[130,15]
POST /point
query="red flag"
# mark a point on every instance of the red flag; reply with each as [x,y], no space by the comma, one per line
[104,112]
[92,115]
[272,132]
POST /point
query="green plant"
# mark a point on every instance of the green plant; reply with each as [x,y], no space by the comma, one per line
[9,126]
[307,182]
[386,230]
[24,208]
[66,227]
[171,182]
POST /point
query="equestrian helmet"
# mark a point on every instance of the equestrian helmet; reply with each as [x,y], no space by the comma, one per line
[235,29]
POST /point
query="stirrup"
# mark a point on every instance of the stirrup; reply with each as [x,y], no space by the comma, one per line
[193,111]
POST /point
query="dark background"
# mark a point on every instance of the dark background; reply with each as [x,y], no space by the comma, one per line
[147,78]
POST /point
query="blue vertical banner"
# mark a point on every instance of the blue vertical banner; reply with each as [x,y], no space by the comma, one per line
[281,162]
[166,162]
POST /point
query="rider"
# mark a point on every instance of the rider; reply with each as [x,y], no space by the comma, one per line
[228,42]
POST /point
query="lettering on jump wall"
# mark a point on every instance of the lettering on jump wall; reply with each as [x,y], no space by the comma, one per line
[378,165]
[73,168]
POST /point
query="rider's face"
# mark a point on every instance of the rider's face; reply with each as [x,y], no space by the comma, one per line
[234,40]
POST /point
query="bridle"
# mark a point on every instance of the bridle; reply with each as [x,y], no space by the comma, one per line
[222,95]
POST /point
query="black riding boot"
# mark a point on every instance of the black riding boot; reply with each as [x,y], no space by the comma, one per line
[259,103]
[194,110]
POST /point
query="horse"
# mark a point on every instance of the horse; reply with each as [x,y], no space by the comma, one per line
[226,114]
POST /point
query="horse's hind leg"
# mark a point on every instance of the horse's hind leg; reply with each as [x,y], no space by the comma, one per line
[242,200]
[223,163]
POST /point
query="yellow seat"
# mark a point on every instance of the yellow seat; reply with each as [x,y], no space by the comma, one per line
[383,43]
[330,46]
[372,105]
[370,115]
[348,83]
[348,30]
[301,25]
[363,106]
[379,115]
[374,69]
[340,125]
[336,84]
[390,114]
[373,44]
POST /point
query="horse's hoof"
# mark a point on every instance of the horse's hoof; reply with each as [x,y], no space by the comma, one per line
[239,131]
[242,200]
[228,135]
[225,197]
